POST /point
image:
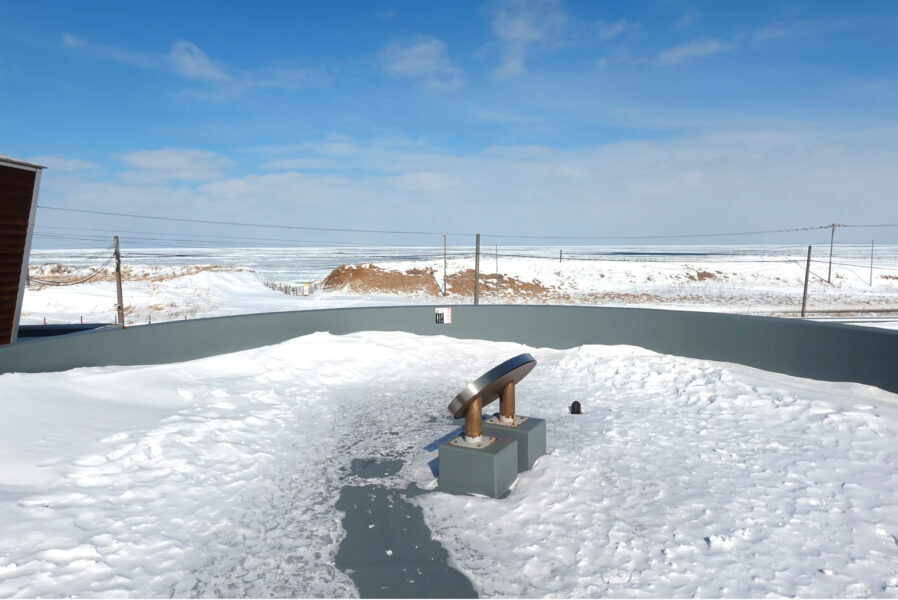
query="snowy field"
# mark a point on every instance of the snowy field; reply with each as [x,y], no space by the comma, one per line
[220,476]
[188,283]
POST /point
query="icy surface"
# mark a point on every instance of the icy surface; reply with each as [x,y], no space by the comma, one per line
[219,477]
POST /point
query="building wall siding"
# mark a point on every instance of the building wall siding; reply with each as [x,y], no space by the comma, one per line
[16,193]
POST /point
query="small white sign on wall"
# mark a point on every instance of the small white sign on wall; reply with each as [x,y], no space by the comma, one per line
[444,316]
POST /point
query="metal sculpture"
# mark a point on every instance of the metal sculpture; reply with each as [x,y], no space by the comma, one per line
[499,382]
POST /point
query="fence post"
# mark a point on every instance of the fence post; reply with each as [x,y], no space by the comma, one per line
[477,271]
[120,307]
[497,270]
[807,272]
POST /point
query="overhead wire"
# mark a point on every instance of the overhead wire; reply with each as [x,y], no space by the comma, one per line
[160,240]
[93,274]
[653,237]
[243,224]
[489,235]
[841,264]
[190,237]
[618,259]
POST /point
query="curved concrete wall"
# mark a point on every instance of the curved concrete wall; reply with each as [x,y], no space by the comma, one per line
[826,351]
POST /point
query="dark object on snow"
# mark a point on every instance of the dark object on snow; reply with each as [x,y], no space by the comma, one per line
[575,408]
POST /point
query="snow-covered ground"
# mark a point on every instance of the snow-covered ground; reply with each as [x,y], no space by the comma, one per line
[758,280]
[219,477]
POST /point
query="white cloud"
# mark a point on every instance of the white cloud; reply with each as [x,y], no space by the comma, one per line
[60,163]
[722,180]
[287,79]
[338,152]
[105,195]
[193,63]
[694,49]
[426,59]
[111,53]
[71,41]
[688,18]
[520,25]
[609,31]
[300,164]
[174,163]
[190,62]
[239,84]
[796,30]
[331,153]
[773,31]
[333,144]
[252,190]
[507,118]
[428,182]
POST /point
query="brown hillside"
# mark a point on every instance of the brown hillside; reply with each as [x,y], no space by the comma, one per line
[369,279]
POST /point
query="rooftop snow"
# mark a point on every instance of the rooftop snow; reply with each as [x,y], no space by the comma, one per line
[220,476]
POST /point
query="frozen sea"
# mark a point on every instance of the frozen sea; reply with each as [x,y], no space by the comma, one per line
[301,264]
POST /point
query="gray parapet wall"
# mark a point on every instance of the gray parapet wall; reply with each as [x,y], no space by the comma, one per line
[825,351]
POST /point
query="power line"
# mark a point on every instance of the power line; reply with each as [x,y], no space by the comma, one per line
[841,264]
[492,235]
[93,274]
[656,237]
[236,224]
[188,237]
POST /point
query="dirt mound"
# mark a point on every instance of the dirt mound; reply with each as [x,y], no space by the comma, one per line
[462,284]
[369,279]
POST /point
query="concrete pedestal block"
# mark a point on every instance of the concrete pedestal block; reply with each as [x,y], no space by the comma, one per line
[488,471]
[528,432]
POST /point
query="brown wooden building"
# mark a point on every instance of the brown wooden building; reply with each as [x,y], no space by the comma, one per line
[19,184]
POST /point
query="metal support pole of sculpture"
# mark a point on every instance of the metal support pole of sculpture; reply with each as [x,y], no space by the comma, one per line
[474,421]
[506,403]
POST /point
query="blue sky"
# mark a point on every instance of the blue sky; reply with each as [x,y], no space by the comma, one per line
[538,117]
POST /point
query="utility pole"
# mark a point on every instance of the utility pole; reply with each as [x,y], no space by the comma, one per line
[831,238]
[477,272]
[871,263]
[444,264]
[120,307]
[807,272]
[497,270]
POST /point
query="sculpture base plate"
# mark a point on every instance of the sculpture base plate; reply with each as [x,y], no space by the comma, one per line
[461,442]
[514,422]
